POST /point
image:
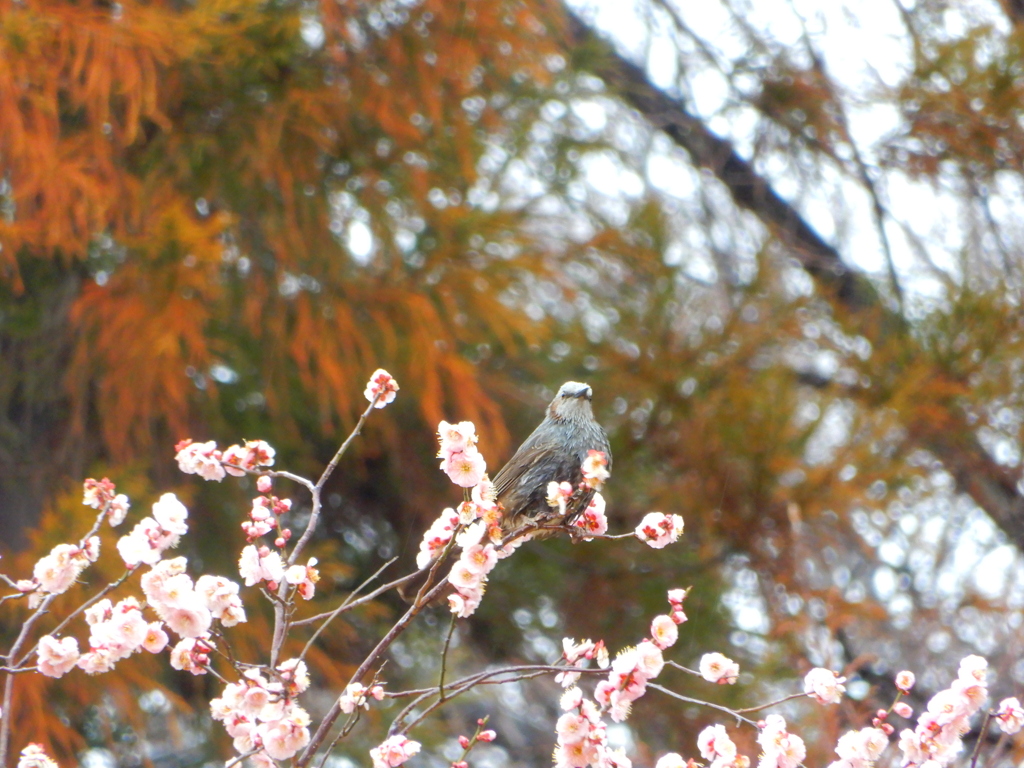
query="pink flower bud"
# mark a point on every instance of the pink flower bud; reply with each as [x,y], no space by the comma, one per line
[264,551]
[279,542]
[264,484]
[482,721]
[487,736]
[272,586]
[903,709]
[460,764]
[287,533]
[887,727]
[463,741]
[881,714]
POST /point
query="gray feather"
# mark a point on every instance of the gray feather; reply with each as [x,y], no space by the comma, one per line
[554,452]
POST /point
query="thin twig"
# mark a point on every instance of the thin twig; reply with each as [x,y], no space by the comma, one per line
[444,657]
[688,700]
[981,739]
[340,609]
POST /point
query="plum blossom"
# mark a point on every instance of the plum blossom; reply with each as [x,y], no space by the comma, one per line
[152,535]
[394,751]
[578,655]
[356,695]
[248,457]
[156,639]
[716,668]
[780,749]
[455,437]
[937,738]
[824,685]
[381,389]
[33,756]
[460,459]
[1010,716]
[100,493]
[658,530]
[595,469]
[201,459]
[192,654]
[171,514]
[220,596]
[715,745]
[256,565]
[559,495]
[304,578]
[593,521]
[437,537]
[903,709]
[284,737]
[57,571]
[57,657]
[670,760]
[465,468]
[664,632]
[860,749]
[905,681]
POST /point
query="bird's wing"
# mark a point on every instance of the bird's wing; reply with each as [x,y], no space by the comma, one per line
[526,458]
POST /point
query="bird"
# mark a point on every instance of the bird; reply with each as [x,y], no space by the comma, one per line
[554,452]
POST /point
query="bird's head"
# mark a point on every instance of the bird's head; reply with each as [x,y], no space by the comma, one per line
[572,402]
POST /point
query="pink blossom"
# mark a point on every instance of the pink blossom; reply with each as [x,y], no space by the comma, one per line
[97,493]
[250,457]
[559,495]
[714,744]
[217,593]
[824,686]
[191,655]
[780,749]
[479,558]
[381,388]
[576,755]
[96,661]
[118,510]
[91,550]
[595,469]
[671,760]
[571,699]
[394,751]
[465,604]
[201,459]
[156,639]
[353,697]
[284,737]
[861,748]
[57,657]
[973,669]
[154,581]
[658,530]
[304,578]
[437,537]
[57,571]
[148,540]
[189,622]
[905,681]
[1010,716]
[664,632]
[295,675]
[171,514]
[677,596]
[649,659]
[464,578]
[903,709]
[453,438]
[465,468]
[572,728]
[716,668]
[33,756]
[256,565]
[593,520]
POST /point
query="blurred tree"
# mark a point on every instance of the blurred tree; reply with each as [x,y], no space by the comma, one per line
[218,218]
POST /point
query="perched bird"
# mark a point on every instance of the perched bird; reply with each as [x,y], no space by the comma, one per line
[554,452]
